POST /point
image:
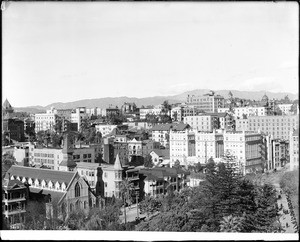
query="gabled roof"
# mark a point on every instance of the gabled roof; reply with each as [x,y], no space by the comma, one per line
[162,152]
[42,174]
[180,126]
[9,184]
[161,127]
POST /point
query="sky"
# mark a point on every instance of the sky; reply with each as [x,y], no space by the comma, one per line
[68,51]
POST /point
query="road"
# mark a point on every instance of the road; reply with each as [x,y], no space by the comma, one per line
[285,219]
[131,213]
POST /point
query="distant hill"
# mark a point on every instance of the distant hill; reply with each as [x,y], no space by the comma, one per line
[119,101]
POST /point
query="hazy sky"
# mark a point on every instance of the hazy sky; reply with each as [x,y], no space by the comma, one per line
[61,52]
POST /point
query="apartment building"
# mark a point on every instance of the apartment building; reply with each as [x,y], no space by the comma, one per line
[294,149]
[14,198]
[180,144]
[277,126]
[208,103]
[285,108]
[89,171]
[241,124]
[78,115]
[45,121]
[112,178]
[205,123]
[246,147]
[209,145]
[135,148]
[160,133]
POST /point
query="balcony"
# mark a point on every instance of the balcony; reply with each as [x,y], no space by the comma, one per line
[18,199]
[12,212]
[132,178]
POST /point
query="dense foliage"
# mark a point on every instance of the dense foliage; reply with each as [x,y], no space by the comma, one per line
[224,202]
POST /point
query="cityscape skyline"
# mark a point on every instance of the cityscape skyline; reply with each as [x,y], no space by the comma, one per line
[141,50]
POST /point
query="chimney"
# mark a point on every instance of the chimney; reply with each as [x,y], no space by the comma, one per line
[8,176]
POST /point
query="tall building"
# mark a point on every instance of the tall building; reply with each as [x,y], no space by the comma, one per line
[246,147]
[13,129]
[208,102]
[277,126]
[14,196]
[294,149]
[179,143]
[7,109]
[209,145]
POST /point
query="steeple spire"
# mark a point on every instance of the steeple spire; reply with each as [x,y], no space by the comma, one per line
[118,165]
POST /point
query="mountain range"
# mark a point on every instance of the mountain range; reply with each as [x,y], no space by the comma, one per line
[179,98]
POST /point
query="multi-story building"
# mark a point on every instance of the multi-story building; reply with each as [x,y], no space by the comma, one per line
[180,145]
[285,108]
[53,157]
[89,172]
[135,148]
[148,146]
[13,129]
[246,147]
[244,112]
[294,149]
[45,121]
[241,124]
[161,133]
[14,196]
[278,126]
[208,103]
[145,111]
[112,177]
[68,189]
[129,108]
[204,122]
[78,115]
[209,145]
[159,156]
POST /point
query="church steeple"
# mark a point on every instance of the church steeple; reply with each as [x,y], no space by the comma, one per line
[118,165]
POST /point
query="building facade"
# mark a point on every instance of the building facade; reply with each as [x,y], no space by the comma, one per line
[294,150]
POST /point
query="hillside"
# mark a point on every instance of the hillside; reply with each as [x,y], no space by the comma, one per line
[118,101]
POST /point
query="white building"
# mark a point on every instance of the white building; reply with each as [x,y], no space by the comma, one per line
[145,111]
[78,115]
[246,147]
[180,147]
[160,133]
[89,172]
[45,121]
[209,145]
[294,150]
[134,148]
[105,129]
[285,108]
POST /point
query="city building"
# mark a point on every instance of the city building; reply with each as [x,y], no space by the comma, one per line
[294,149]
[134,148]
[45,121]
[14,197]
[208,144]
[13,129]
[152,111]
[7,110]
[208,102]
[89,171]
[285,108]
[277,126]
[77,115]
[158,156]
[180,146]
[67,189]
[161,133]
[148,146]
[112,177]
[246,148]
[204,122]
[105,129]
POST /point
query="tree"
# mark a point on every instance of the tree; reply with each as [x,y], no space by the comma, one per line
[149,205]
[231,224]
[76,220]
[148,161]
[35,216]
[177,164]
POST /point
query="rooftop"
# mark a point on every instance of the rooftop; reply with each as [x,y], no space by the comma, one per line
[42,174]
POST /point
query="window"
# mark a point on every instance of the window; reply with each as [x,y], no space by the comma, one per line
[77,190]
[105,184]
